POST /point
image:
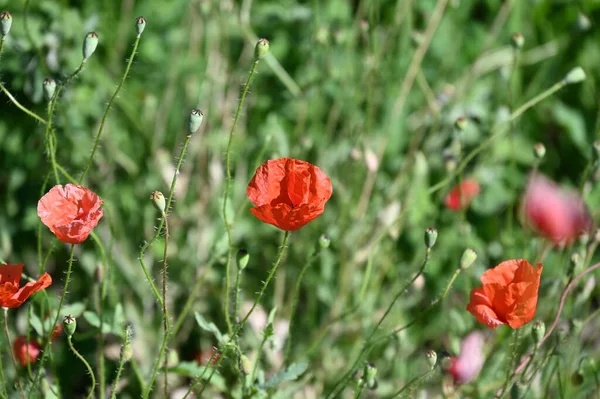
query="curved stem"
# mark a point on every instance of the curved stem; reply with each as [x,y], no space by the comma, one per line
[87,366]
[12,354]
[226,197]
[113,394]
[22,108]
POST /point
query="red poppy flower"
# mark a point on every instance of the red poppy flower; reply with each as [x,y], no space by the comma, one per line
[26,352]
[509,294]
[70,212]
[466,367]
[557,214]
[11,296]
[469,189]
[288,193]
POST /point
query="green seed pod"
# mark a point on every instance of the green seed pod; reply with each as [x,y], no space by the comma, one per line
[242,257]
[126,351]
[245,365]
[539,151]
[538,331]
[261,49]
[461,123]
[89,45]
[49,87]
[196,117]
[518,40]
[5,22]
[431,356]
[370,372]
[158,200]
[575,75]
[431,235]
[140,25]
[468,258]
[69,325]
[324,241]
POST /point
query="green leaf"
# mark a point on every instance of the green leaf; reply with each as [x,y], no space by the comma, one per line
[194,370]
[208,326]
[36,323]
[290,374]
[93,319]
[75,309]
[572,121]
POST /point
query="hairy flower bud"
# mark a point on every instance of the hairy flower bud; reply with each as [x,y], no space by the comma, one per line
[245,365]
[539,150]
[261,49]
[140,25]
[370,372]
[49,87]
[243,257]
[468,258]
[89,45]
[5,23]
[460,123]
[575,75]
[196,117]
[69,325]
[431,235]
[518,40]
[158,200]
[324,241]
[431,356]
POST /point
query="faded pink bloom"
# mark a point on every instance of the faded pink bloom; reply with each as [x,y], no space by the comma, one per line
[555,213]
[466,367]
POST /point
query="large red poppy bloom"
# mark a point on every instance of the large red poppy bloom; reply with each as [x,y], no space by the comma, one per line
[26,352]
[555,213]
[288,193]
[509,294]
[461,196]
[11,296]
[70,212]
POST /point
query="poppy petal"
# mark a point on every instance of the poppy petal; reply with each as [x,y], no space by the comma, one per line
[11,274]
[27,290]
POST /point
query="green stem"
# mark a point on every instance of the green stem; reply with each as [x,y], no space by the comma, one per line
[122,361]
[236,292]
[22,108]
[414,383]
[226,196]
[242,323]
[514,352]
[110,103]
[1,45]
[258,356]
[87,366]
[190,301]
[12,354]
[48,138]
[166,323]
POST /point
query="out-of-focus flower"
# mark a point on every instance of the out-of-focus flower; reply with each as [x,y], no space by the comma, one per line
[203,357]
[11,296]
[509,294]
[461,196]
[467,365]
[25,352]
[557,214]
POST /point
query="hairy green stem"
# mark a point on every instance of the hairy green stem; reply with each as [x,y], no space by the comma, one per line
[166,323]
[414,383]
[21,107]
[122,360]
[12,353]
[87,366]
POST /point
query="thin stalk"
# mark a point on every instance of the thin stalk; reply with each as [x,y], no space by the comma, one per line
[239,327]
[513,129]
[236,292]
[48,138]
[108,106]
[122,361]
[514,352]
[164,296]
[258,356]
[414,383]
[12,354]
[226,196]
[21,107]
[87,366]
[1,45]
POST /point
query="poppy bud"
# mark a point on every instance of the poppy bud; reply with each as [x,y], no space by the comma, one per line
[539,150]
[69,325]
[245,365]
[467,259]
[49,87]
[196,117]
[126,351]
[370,372]
[431,235]
[5,22]
[518,40]
[324,241]
[158,200]
[89,45]
[140,24]
[539,329]
[261,49]
[431,356]
[243,257]
[575,75]
[460,123]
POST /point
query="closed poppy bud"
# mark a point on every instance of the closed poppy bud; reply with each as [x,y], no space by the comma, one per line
[261,49]
[468,258]
[140,25]
[196,117]
[370,373]
[431,235]
[89,45]
[158,200]
[49,87]
[5,22]
[243,257]
[538,331]
[69,325]
[460,123]
[518,40]
[575,75]
[245,365]
[431,356]
[126,351]
[324,241]
[539,150]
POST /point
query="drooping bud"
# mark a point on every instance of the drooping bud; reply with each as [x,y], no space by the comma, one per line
[5,22]
[69,325]
[140,25]
[468,258]
[575,75]
[89,45]
[245,365]
[243,257]
[460,123]
[370,372]
[538,331]
[196,117]
[261,49]
[539,151]
[518,40]
[431,235]
[158,200]
[431,356]
[49,88]
[324,241]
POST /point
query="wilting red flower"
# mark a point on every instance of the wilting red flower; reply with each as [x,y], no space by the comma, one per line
[11,296]
[467,365]
[461,196]
[202,357]
[557,214]
[25,352]
[70,212]
[509,294]
[288,193]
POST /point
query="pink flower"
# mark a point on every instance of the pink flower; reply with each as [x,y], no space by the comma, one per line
[466,367]
[555,213]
